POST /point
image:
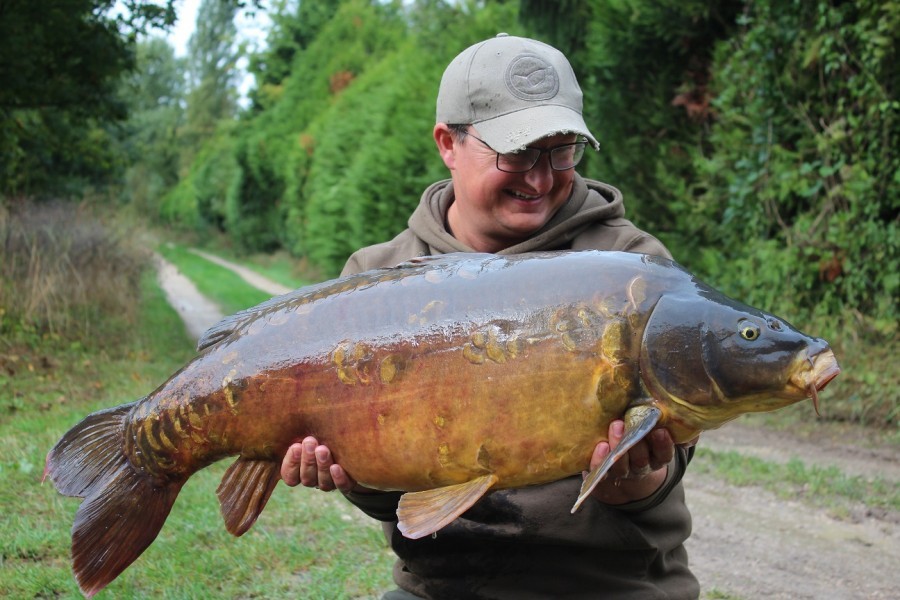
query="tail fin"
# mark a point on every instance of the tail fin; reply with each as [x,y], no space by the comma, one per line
[123,509]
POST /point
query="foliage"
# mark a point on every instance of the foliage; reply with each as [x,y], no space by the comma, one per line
[294,26]
[60,64]
[212,56]
[154,93]
[273,145]
[341,149]
[801,185]
[822,486]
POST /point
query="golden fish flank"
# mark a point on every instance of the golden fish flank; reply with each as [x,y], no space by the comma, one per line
[351,361]
[615,343]
[356,364]
[187,425]
[495,342]
[444,455]
[228,391]
[391,368]
[577,328]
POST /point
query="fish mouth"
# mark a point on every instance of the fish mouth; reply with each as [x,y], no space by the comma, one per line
[823,367]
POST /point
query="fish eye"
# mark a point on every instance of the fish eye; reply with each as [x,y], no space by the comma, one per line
[749,331]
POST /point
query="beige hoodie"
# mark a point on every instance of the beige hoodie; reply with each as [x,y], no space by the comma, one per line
[592,219]
[524,543]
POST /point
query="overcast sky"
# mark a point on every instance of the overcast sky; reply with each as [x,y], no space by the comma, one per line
[249,29]
[184,26]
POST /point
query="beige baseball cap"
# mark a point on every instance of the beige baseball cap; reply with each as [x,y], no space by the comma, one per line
[515,90]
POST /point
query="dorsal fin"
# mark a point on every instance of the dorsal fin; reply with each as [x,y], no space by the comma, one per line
[244,491]
[423,513]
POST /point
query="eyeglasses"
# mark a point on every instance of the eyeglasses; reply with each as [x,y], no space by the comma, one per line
[562,157]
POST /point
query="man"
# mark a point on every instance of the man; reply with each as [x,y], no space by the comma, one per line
[510,130]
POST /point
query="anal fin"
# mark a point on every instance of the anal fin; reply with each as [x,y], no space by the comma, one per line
[639,421]
[244,491]
[423,513]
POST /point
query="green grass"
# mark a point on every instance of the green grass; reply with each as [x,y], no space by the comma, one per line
[221,285]
[826,487]
[717,594]
[306,544]
[279,267]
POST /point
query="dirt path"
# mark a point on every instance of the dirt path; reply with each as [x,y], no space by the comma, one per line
[248,275]
[196,310]
[747,543]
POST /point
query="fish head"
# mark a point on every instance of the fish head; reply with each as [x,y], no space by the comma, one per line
[707,359]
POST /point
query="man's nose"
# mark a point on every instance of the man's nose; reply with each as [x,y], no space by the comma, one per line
[540,177]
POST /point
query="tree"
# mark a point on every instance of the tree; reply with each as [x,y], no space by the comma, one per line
[801,184]
[61,62]
[294,26]
[212,57]
[154,93]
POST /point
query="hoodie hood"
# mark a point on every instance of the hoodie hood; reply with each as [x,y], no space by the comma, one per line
[591,202]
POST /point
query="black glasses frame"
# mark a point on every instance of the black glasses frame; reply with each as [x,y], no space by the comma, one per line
[578,146]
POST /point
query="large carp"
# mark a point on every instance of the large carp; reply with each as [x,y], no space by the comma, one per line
[445,377]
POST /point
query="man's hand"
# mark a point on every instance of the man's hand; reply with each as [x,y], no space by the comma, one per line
[311,464]
[640,472]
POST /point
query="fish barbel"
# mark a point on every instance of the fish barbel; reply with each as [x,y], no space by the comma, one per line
[467,372]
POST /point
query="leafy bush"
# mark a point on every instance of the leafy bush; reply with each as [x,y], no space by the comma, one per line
[800,192]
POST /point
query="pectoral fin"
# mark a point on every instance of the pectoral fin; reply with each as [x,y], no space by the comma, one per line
[423,513]
[244,491]
[639,421]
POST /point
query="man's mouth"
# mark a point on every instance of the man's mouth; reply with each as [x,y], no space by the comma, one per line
[523,197]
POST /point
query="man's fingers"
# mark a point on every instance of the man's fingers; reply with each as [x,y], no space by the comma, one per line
[290,466]
[621,467]
[309,474]
[323,469]
[341,480]
[662,448]
[601,451]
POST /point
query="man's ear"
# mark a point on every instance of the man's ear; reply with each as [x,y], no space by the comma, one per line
[446,143]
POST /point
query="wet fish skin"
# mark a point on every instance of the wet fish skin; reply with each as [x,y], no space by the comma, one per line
[467,372]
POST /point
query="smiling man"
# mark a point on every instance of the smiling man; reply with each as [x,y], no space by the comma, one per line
[509,128]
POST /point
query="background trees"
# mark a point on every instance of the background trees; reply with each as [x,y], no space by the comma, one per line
[757,138]
[59,67]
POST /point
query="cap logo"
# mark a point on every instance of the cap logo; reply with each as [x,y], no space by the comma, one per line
[530,77]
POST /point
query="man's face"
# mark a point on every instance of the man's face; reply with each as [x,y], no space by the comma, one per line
[494,209]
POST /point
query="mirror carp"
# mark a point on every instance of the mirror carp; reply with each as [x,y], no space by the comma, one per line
[445,377]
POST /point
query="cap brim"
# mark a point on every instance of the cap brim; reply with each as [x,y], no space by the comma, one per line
[513,131]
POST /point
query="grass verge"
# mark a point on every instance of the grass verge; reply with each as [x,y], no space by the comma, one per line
[825,487]
[222,285]
[279,266]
